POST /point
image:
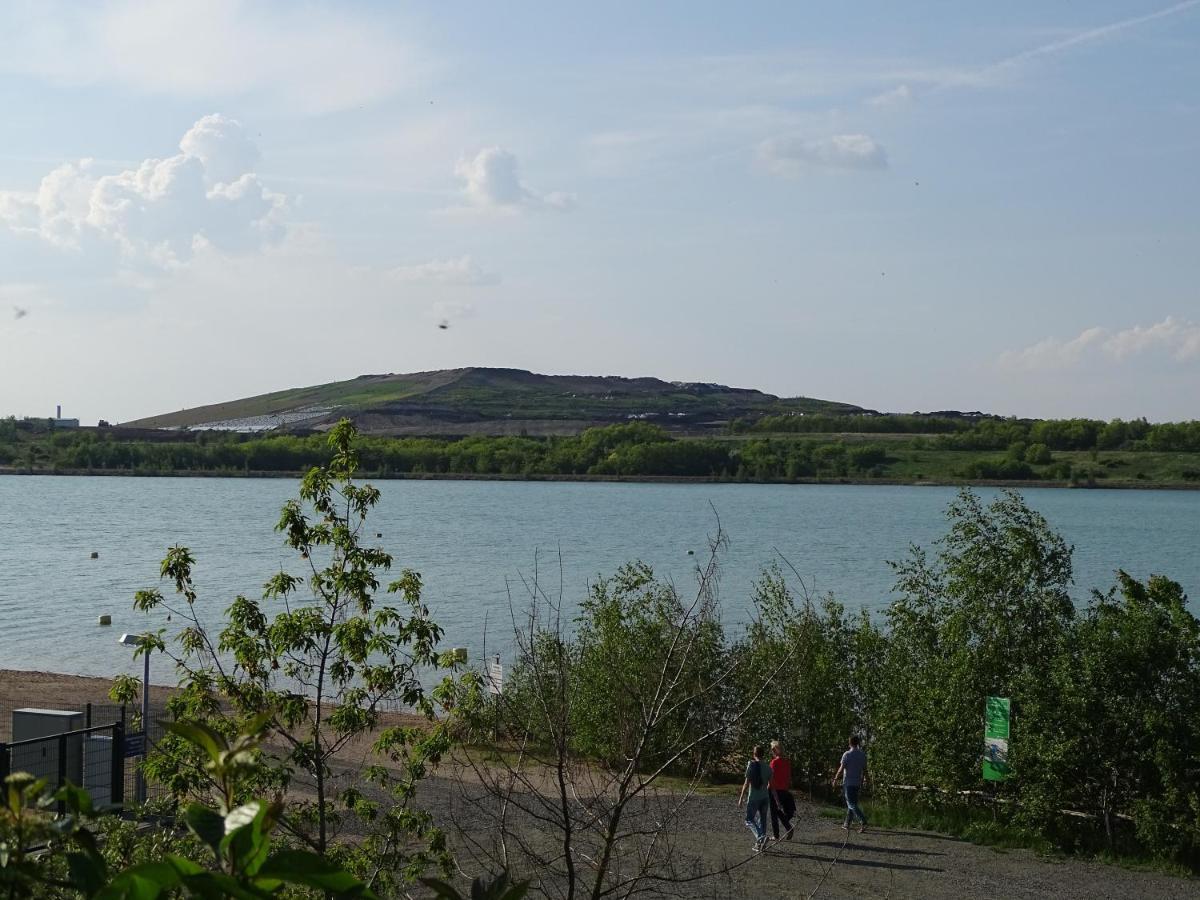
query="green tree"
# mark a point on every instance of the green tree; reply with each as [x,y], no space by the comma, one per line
[635,636]
[816,703]
[986,616]
[1134,686]
[323,667]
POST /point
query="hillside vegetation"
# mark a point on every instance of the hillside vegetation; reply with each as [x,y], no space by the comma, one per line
[1159,455]
[491,401]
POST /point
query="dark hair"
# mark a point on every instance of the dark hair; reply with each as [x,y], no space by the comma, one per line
[758,751]
[854,740]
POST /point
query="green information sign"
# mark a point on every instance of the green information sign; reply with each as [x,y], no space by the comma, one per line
[995,738]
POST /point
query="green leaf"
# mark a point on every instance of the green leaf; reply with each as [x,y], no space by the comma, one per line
[248,840]
[308,869]
[255,727]
[240,817]
[76,799]
[208,740]
[219,886]
[88,872]
[206,824]
[149,880]
[442,890]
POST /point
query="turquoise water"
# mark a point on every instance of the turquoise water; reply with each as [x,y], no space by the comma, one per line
[474,541]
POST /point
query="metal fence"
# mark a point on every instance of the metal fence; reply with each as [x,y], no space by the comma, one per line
[91,758]
[100,751]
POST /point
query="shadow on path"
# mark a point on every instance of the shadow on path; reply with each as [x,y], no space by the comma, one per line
[923,835]
[862,863]
[875,848]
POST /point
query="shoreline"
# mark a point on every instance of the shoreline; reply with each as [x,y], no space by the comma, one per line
[625,479]
[63,686]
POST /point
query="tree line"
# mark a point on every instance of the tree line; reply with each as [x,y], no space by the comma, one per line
[1105,698]
[635,449]
[968,432]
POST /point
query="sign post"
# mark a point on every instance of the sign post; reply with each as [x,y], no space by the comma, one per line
[494,679]
[996,715]
[495,676]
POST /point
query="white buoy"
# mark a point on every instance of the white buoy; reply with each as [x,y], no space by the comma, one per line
[105,620]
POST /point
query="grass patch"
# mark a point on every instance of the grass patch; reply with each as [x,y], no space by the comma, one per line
[979,825]
[972,824]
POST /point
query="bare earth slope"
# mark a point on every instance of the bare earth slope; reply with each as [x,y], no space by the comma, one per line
[489,401]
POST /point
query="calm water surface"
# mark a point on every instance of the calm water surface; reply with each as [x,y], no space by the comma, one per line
[470,538]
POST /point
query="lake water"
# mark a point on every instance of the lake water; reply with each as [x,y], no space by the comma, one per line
[470,538]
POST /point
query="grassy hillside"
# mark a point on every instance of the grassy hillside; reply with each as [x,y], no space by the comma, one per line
[479,400]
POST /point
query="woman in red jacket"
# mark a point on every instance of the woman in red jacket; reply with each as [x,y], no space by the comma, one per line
[783,804]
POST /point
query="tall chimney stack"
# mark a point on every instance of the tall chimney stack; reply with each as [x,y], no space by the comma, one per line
[58,411]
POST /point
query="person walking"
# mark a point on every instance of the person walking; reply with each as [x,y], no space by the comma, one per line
[783,804]
[853,771]
[757,781]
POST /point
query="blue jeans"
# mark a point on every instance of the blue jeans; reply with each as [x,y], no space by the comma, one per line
[756,815]
[852,807]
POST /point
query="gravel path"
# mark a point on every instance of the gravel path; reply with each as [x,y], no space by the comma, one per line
[824,861]
[898,863]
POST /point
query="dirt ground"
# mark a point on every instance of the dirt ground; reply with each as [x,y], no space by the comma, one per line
[822,860]
[902,863]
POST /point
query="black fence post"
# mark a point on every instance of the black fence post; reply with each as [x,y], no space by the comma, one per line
[62,769]
[117,775]
[5,762]
[87,716]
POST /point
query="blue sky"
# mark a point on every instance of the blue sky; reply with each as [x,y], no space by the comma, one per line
[905,206]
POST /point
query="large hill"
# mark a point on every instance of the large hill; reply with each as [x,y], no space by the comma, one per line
[491,401]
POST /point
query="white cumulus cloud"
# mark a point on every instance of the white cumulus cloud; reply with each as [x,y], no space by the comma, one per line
[791,155]
[223,146]
[492,180]
[1052,352]
[1176,339]
[1179,339]
[207,194]
[456,271]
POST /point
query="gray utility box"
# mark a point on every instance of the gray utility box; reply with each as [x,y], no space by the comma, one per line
[98,768]
[42,758]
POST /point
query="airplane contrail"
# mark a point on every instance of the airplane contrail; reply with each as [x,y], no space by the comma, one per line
[1091,34]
